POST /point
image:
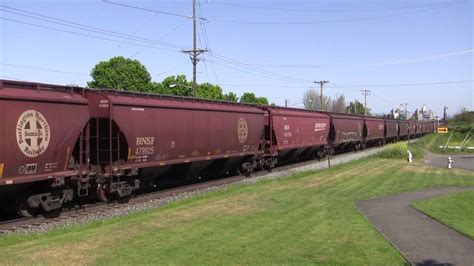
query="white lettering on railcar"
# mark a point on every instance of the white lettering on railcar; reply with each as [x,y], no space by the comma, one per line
[141,141]
[145,146]
[104,104]
[32,133]
[319,127]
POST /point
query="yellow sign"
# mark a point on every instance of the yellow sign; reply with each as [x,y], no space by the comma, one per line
[442,130]
[1,169]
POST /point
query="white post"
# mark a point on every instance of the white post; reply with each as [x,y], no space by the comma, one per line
[410,156]
[450,162]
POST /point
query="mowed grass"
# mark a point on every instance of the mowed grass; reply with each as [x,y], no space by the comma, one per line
[434,140]
[456,211]
[307,218]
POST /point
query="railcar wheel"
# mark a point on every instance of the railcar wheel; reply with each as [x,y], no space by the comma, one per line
[23,209]
[243,171]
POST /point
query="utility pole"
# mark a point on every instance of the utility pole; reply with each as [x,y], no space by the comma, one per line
[445,113]
[286,103]
[365,93]
[194,53]
[321,83]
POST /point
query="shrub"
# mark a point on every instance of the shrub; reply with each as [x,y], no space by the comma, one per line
[394,151]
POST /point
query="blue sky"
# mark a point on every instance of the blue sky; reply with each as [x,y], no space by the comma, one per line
[273,48]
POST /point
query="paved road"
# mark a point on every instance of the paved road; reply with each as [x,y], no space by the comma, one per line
[422,240]
[465,162]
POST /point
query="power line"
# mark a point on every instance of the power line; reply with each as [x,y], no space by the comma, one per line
[75,25]
[203,55]
[161,38]
[44,69]
[402,61]
[133,34]
[405,84]
[323,10]
[247,72]
[353,86]
[207,43]
[327,21]
[86,35]
[146,9]
[151,10]
[255,69]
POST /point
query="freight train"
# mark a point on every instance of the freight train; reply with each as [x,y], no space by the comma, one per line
[59,143]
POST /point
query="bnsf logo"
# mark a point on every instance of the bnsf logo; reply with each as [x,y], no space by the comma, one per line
[32,133]
[242,130]
[319,126]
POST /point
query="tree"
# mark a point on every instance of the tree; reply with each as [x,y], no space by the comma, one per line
[249,97]
[176,85]
[209,91]
[120,73]
[356,108]
[312,101]
[338,105]
[231,97]
[157,87]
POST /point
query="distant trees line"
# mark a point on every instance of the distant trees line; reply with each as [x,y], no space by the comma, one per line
[128,74]
[338,104]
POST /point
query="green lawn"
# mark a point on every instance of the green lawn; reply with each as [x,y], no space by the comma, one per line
[433,142]
[303,219]
[456,211]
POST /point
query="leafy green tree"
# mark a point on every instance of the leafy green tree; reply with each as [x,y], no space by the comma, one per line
[176,85]
[120,73]
[356,108]
[249,97]
[231,97]
[209,91]
[158,87]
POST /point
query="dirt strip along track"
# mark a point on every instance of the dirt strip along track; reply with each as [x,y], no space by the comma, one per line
[82,213]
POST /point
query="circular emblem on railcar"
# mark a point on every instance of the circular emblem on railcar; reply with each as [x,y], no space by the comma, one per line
[32,133]
[242,130]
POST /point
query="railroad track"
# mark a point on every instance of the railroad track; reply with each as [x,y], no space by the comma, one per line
[82,213]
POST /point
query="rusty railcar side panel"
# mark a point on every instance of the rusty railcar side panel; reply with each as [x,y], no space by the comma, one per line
[404,127]
[40,128]
[391,127]
[347,128]
[299,128]
[161,131]
[419,127]
[412,127]
[375,128]
[425,127]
